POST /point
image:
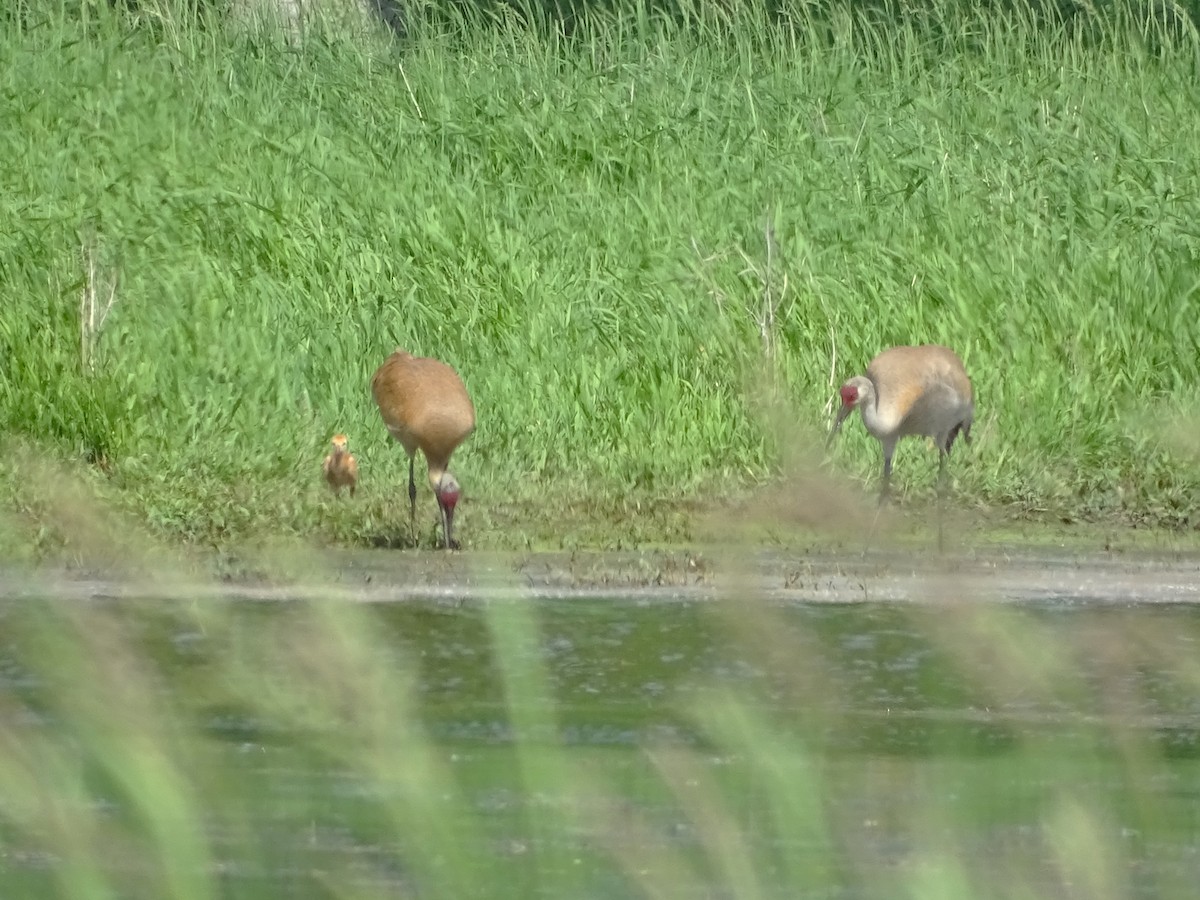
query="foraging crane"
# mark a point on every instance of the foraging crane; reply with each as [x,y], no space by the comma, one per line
[426,407]
[911,390]
[340,467]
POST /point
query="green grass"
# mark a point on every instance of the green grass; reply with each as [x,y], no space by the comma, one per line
[644,247]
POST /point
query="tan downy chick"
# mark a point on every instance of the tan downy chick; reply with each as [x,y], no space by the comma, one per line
[340,467]
[425,406]
[911,390]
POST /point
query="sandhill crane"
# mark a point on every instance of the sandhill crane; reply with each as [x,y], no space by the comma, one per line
[911,390]
[425,407]
[340,467]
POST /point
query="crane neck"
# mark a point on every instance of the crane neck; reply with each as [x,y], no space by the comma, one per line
[878,423]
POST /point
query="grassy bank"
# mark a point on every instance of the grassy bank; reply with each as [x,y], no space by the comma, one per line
[651,251]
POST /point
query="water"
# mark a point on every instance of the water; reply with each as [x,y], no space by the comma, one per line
[675,743]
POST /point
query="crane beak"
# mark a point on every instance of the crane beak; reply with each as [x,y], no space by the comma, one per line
[448,493]
[837,424]
[448,526]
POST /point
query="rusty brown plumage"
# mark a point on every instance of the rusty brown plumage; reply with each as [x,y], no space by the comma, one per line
[920,390]
[340,467]
[425,406]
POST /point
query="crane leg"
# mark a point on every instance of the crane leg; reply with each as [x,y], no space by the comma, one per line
[941,496]
[884,491]
[412,502]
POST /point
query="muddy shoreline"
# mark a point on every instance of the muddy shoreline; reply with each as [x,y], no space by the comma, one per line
[997,575]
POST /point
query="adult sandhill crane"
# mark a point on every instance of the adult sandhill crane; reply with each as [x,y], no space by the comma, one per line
[425,407]
[340,467]
[911,390]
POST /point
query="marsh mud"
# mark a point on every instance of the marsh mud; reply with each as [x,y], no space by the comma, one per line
[1016,574]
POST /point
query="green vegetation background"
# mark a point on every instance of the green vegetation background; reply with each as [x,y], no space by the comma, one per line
[651,249]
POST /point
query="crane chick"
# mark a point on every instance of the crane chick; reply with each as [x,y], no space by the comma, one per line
[425,406]
[911,391]
[340,467]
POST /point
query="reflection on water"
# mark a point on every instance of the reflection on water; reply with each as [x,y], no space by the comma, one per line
[915,727]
